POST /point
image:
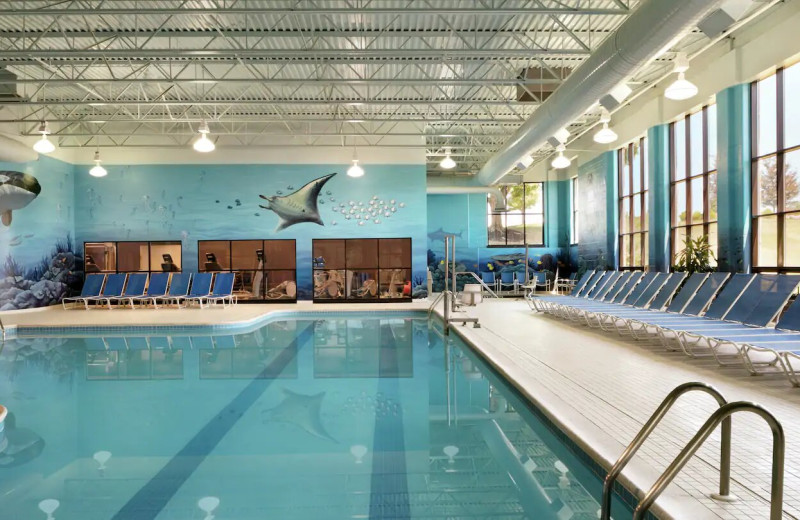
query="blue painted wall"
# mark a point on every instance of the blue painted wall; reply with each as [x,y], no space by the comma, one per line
[598,220]
[658,171]
[191,203]
[465,216]
[36,249]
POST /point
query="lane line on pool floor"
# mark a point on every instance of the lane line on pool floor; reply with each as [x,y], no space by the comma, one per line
[154,496]
[389,481]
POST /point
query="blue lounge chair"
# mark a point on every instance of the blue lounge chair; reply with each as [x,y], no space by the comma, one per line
[178,288]
[223,290]
[115,285]
[201,287]
[489,279]
[91,289]
[507,278]
[157,288]
[133,289]
[540,280]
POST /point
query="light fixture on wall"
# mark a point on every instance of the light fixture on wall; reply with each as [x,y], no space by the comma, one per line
[681,88]
[447,163]
[44,145]
[605,135]
[355,170]
[97,170]
[204,144]
[560,161]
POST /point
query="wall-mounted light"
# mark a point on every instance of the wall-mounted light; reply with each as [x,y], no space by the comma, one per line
[605,135]
[681,88]
[44,145]
[97,170]
[447,163]
[561,161]
[204,144]
[355,170]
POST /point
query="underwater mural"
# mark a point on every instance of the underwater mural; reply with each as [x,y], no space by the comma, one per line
[17,190]
[188,203]
[39,264]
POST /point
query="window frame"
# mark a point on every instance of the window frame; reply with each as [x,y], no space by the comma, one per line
[524,213]
[687,180]
[781,150]
[644,189]
[574,235]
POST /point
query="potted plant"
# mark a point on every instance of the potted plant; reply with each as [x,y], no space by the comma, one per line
[696,256]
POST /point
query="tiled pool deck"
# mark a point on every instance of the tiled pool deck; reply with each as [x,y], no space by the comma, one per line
[599,388]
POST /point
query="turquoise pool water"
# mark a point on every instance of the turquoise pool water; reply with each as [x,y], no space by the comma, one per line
[369,417]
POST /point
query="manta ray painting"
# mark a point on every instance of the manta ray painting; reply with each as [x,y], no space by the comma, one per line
[302,411]
[17,190]
[297,207]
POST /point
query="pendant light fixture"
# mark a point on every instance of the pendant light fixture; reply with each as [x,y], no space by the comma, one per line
[447,163]
[605,135]
[561,161]
[97,170]
[204,144]
[681,88]
[355,170]
[44,145]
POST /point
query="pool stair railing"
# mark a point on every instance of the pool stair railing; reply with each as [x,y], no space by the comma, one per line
[722,416]
[451,305]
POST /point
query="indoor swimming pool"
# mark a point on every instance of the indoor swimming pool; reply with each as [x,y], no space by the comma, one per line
[374,416]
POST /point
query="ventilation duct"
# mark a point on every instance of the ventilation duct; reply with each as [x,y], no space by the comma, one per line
[650,30]
[14,151]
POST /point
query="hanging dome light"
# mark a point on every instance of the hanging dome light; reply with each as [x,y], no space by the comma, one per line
[204,144]
[447,163]
[97,170]
[681,88]
[355,170]
[605,135]
[561,161]
[44,145]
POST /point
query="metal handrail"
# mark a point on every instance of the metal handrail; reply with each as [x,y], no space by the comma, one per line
[3,329]
[650,425]
[480,281]
[433,305]
[721,415]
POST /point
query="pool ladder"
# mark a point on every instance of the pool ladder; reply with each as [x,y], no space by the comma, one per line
[448,295]
[721,416]
[2,329]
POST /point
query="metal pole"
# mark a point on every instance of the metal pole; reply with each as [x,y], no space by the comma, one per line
[453,268]
[778,450]
[647,429]
[446,285]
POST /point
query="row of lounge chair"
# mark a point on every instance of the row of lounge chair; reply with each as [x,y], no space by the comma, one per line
[729,317]
[180,289]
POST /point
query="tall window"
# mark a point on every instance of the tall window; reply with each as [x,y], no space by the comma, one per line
[523,223]
[776,171]
[633,209]
[693,151]
[573,199]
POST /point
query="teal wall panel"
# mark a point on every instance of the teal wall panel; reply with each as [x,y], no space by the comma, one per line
[733,166]
[658,171]
[597,221]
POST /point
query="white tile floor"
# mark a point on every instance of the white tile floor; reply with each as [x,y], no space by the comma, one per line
[606,386]
[598,387]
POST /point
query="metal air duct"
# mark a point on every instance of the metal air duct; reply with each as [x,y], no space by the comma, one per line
[651,29]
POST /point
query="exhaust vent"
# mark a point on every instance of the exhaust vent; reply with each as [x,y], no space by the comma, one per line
[8,86]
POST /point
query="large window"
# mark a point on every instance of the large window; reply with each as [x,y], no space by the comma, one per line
[776,171]
[573,199]
[633,209]
[693,151]
[523,223]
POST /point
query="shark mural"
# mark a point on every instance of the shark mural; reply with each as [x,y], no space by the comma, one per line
[17,190]
[297,207]
[439,235]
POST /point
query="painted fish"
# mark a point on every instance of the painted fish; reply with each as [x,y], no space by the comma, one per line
[509,257]
[17,190]
[301,410]
[300,206]
[439,234]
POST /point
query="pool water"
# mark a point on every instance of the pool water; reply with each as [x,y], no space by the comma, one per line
[368,417]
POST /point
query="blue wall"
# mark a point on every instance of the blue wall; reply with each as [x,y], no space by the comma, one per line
[191,203]
[36,249]
[598,220]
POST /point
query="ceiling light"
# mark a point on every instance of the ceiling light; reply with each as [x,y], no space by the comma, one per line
[561,161]
[204,144]
[43,145]
[681,88]
[605,135]
[447,163]
[355,170]
[97,170]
